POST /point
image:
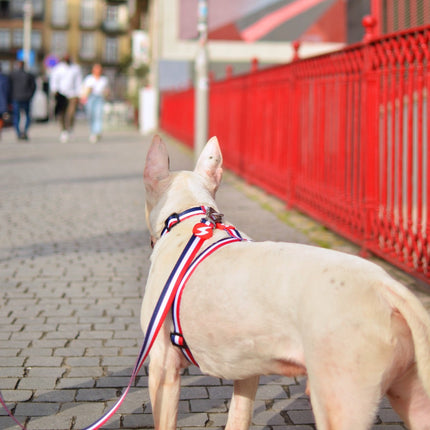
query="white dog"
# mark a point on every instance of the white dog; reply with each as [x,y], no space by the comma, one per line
[254,308]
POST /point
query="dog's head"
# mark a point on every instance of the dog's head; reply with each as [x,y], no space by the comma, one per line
[168,192]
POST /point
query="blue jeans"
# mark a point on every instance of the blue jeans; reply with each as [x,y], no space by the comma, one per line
[17,108]
[95,106]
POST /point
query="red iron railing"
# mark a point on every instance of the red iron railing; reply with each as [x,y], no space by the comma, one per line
[343,137]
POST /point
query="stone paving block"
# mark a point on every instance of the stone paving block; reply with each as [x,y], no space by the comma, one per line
[103,351]
[188,381]
[208,405]
[7,423]
[217,420]
[37,383]
[9,352]
[291,404]
[11,361]
[113,381]
[188,420]
[8,383]
[52,372]
[302,417]
[8,372]
[388,415]
[95,395]
[138,421]
[223,392]
[75,383]
[31,409]
[41,360]
[84,413]
[270,392]
[16,395]
[188,393]
[83,361]
[268,418]
[57,396]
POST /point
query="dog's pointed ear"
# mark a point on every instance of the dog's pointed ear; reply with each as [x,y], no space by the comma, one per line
[157,163]
[209,164]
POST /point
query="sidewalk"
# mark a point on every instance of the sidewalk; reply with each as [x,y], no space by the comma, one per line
[74,256]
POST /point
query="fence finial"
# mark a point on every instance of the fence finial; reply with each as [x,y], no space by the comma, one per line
[296,47]
[369,24]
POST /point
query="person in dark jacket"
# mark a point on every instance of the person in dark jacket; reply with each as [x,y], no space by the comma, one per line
[4,98]
[23,86]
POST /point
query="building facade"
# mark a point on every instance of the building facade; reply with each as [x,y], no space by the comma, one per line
[90,31]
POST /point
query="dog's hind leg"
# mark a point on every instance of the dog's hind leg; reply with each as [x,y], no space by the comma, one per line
[410,401]
[242,402]
[340,403]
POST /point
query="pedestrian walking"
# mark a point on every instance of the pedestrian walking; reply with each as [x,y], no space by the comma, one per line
[23,86]
[95,89]
[65,83]
[4,98]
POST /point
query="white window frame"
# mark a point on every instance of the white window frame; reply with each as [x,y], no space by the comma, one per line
[88,46]
[59,43]
[111,50]
[88,13]
[17,38]
[59,15]
[5,38]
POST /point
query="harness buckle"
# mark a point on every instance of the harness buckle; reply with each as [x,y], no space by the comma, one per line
[168,223]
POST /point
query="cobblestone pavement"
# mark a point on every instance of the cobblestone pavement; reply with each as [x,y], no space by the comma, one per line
[74,254]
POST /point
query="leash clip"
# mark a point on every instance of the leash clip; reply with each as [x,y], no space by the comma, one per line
[213,216]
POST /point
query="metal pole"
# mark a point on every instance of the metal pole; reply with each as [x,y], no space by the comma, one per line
[201,81]
[26,45]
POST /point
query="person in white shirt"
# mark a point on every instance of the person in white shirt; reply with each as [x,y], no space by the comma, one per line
[65,83]
[95,89]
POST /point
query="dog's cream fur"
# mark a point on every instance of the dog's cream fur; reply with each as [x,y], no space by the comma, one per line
[256,308]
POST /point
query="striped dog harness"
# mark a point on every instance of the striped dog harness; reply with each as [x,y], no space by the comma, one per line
[203,229]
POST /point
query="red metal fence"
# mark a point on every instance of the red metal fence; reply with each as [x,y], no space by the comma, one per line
[343,137]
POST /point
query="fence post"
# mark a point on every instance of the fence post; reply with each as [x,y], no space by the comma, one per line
[293,127]
[369,140]
[228,72]
[254,65]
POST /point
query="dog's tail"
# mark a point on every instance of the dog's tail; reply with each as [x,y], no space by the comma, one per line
[418,320]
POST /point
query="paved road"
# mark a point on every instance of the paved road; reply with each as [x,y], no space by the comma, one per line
[74,254]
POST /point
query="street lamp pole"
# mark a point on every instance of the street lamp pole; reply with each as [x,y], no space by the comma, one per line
[201,81]
[26,46]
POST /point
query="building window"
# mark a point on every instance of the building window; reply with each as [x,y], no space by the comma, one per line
[111,50]
[36,40]
[4,8]
[112,14]
[17,8]
[59,13]
[59,43]
[88,46]
[5,39]
[18,38]
[88,13]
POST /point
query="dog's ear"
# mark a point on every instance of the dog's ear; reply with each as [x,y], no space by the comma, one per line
[209,164]
[157,163]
